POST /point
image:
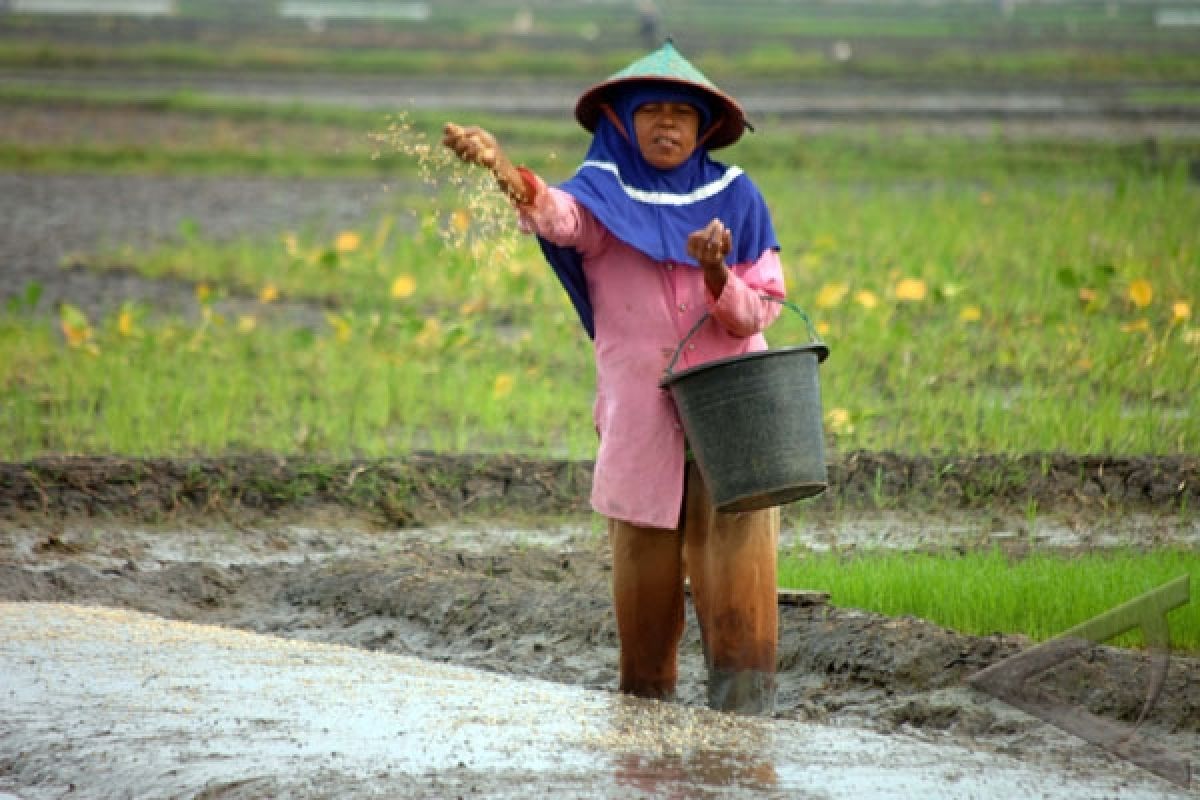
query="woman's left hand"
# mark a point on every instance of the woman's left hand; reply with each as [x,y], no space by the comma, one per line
[710,246]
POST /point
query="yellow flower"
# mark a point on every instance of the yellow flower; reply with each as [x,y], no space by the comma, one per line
[246,323]
[347,242]
[1180,311]
[823,328]
[831,294]
[403,287]
[838,420]
[866,299]
[461,220]
[912,289]
[502,385]
[125,325]
[203,292]
[1141,293]
[268,293]
[970,314]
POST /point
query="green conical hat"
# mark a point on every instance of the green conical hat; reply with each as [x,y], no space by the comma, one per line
[666,65]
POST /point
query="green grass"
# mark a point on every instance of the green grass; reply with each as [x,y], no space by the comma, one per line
[188,133]
[1178,97]
[762,39]
[1002,354]
[1033,332]
[943,61]
[386,386]
[185,102]
[1041,595]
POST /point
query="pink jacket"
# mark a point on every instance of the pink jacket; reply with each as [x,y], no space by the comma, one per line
[643,309]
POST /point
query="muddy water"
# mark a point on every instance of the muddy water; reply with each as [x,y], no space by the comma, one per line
[327,660]
[104,703]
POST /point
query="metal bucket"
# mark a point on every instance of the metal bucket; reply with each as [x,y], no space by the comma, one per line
[754,423]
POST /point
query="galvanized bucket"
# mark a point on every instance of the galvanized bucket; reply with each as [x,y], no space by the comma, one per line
[754,422]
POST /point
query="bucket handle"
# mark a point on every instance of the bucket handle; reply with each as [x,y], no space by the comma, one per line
[812,331]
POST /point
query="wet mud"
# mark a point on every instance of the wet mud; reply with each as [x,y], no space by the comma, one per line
[1085,493]
[533,604]
[106,703]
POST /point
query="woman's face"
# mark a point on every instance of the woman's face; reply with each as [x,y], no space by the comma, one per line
[666,132]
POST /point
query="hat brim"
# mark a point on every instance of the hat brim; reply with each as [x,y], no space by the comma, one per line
[730,120]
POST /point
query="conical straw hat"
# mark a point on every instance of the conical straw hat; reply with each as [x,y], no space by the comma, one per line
[666,65]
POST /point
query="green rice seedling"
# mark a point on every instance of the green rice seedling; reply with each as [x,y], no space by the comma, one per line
[960,317]
[373,385]
[984,592]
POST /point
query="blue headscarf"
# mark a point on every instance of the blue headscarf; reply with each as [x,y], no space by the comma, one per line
[654,210]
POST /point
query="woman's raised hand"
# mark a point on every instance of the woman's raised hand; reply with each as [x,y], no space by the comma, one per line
[474,145]
[710,246]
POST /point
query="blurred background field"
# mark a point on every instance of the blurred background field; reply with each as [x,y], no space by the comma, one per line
[990,210]
[781,40]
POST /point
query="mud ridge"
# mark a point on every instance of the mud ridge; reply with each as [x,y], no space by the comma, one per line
[424,487]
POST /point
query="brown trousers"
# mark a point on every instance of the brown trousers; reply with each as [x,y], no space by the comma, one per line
[730,560]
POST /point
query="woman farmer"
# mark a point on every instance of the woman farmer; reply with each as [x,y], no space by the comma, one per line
[648,236]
